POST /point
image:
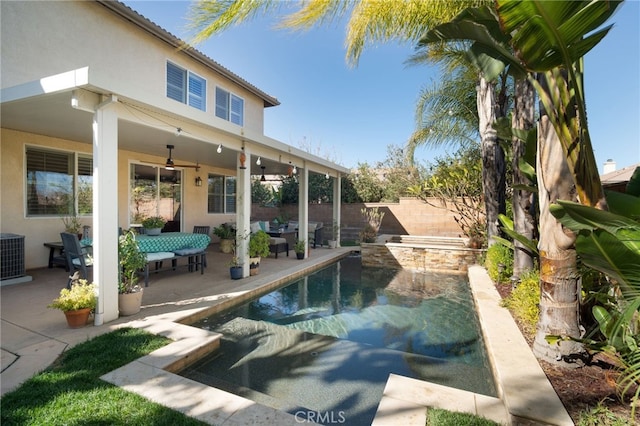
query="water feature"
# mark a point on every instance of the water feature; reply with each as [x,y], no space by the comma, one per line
[323,346]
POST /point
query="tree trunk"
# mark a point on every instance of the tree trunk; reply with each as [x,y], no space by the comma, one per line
[493,162]
[524,222]
[559,276]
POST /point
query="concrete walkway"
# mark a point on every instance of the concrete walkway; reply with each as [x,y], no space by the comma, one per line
[33,337]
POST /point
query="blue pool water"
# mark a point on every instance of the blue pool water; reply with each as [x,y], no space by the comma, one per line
[326,343]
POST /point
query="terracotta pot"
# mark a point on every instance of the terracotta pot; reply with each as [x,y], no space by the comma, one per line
[129,303]
[77,318]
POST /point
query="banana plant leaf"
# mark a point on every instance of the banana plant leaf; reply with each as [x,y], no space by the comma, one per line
[507,228]
[606,241]
[550,34]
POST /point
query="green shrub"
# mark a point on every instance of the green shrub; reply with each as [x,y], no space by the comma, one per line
[524,299]
[497,255]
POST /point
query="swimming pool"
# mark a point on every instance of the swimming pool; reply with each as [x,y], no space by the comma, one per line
[323,346]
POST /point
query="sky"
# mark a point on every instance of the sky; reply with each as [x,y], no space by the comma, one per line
[352,115]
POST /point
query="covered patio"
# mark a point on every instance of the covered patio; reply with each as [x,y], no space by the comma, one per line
[118,133]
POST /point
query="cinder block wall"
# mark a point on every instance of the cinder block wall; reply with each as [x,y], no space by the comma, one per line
[410,216]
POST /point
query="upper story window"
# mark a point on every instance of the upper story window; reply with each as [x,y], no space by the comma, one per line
[229,107]
[221,194]
[58,183]
[186,87]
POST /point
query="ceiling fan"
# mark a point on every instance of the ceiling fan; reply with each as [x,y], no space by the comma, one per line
[170,165]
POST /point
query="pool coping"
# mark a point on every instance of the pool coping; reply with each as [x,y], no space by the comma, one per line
[525,394]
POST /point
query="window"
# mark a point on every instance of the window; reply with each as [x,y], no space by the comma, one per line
[58,183]
[221,194]
[155,191]
[229,107]
[186,87]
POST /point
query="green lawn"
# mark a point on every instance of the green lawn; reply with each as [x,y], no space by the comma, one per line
[71,393]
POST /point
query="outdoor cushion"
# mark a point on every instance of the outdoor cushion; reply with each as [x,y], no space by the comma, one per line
[264,225]
[277,240]
[161,255]
[254,227]
[188,251]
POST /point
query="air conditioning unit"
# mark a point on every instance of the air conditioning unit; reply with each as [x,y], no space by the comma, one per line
[11,256]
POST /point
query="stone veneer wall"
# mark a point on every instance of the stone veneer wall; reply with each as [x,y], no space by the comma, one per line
[438,258]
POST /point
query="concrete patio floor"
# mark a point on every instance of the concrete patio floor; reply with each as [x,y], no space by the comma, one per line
[33,336]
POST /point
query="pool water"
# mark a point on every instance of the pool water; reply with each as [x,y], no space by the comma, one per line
[323,346]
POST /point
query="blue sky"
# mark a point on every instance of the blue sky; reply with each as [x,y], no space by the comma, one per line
[351,115]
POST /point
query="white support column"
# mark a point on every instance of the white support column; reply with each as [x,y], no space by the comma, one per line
[337,207]
[105,209]
[303,207]
[243,210]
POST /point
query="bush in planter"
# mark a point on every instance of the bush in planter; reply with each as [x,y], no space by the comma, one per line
[81,295]
[227,237]
[258,247]
[299,248]
[131,260]
[259,244]
[153,222]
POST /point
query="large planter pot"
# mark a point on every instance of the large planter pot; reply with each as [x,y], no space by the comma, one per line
[254,265]
[332,244]
[130,303]
[235,272]
[77,318]
[300,255]
[153,231]
[226,246]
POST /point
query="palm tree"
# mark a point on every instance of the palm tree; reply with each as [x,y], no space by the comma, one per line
[375,21]
[549,38]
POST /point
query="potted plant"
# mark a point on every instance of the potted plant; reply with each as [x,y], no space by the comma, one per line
[300,247]
[227,237]
[131,260]
[153,225]
[235,268]
[333,243]
[258,247]
[76,302]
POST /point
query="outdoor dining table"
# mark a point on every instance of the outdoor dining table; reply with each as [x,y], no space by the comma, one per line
[171,241]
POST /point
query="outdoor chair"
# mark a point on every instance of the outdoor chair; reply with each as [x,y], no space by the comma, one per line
[77,258]
[202,229]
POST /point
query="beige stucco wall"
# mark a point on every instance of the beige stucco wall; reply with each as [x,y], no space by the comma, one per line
[38,230]
[46,38]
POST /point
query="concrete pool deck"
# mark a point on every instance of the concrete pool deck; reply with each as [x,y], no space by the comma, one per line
[32,338]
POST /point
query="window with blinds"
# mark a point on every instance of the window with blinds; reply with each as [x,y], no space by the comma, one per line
[186,87]
[53,184]
[221,197]
[229,106]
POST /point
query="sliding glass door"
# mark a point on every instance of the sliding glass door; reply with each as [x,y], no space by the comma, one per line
[155,191]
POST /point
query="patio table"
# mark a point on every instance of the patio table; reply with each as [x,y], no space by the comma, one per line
[171,241]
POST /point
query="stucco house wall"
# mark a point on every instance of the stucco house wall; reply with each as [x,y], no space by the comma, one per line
[38,230]
[41,39]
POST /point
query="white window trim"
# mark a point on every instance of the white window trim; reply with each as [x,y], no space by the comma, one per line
[229,112]
[188,93]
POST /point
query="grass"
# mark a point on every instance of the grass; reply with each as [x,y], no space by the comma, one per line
[70,392]
[440,417]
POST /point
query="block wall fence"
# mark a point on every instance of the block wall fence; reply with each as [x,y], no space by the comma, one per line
[409,216]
